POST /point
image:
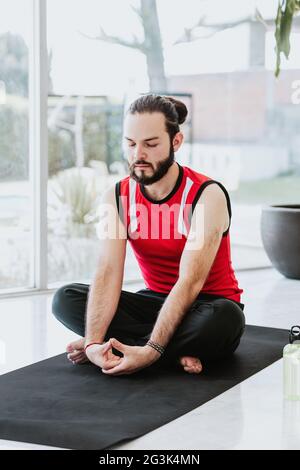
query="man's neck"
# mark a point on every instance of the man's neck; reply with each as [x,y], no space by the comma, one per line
[164,186]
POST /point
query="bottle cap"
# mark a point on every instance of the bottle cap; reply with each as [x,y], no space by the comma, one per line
[295,334]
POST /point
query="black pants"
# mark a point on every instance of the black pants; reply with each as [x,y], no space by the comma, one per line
[211,329]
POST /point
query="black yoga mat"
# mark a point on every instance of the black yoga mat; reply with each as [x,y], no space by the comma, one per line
[56,403]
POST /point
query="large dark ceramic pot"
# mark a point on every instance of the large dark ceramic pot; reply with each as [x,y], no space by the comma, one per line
[280,232]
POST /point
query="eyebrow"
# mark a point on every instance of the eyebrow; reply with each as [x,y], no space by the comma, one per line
[145,140]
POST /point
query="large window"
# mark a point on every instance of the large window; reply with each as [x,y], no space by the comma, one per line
[243,129]
[15,192]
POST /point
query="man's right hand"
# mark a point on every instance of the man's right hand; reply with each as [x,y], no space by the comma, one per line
[102,356]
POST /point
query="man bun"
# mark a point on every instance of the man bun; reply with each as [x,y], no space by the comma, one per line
[180,107]
[174,111]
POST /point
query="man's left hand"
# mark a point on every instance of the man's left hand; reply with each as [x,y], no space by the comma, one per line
[134,359]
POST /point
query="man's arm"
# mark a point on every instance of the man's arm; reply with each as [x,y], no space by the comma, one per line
[105,290]
[209,221]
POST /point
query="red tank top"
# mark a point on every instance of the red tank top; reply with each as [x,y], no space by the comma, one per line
[157,232]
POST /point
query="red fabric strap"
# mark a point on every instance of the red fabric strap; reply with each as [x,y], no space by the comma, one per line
[90,344]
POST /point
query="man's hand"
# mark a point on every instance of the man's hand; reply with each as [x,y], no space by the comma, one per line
[102,356]
[134,359]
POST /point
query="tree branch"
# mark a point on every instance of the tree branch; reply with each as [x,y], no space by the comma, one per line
[134,44]
[189,33]
[138,12]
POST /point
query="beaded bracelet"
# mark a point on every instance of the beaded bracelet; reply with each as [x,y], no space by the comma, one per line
[156,346]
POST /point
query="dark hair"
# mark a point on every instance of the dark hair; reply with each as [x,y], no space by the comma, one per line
[175,111]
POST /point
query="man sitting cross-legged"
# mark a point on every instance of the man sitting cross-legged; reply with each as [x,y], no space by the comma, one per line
[177,222]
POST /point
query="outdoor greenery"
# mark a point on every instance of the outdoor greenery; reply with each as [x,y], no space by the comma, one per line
[73,200]
[14,140]
[14,64]
[101,134]
[101,139]
[279,190]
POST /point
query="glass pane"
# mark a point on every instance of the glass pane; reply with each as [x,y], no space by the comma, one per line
[246,124]
[85,113]
[84,159]
[15,205]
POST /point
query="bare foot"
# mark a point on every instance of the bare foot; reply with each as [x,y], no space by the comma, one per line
[76,352]
[191,364]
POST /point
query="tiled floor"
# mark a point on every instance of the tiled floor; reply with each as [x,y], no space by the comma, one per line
[251,415]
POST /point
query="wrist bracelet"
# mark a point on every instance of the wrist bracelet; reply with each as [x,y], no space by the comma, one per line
[90,344]
[156,346]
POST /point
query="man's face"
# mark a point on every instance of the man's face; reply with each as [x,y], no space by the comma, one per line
[147,142]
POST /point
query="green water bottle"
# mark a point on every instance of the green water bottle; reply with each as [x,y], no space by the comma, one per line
[291,365]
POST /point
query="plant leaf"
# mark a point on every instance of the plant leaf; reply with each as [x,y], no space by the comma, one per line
[283,26]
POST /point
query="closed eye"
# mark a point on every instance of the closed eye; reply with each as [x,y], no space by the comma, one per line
[148,145]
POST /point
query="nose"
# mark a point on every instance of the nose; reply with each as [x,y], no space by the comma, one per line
[138,153]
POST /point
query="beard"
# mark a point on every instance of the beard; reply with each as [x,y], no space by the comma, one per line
[160,171]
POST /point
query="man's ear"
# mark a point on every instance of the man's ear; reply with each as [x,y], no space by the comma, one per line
[177,140]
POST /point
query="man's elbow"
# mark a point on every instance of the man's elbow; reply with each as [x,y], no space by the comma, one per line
[191,284]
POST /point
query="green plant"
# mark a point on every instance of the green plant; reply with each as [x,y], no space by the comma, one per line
[73,201]
[14,139]
[286,11]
